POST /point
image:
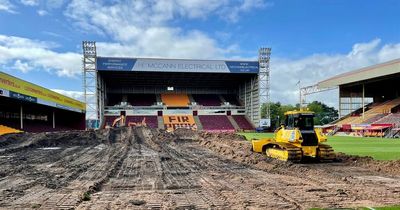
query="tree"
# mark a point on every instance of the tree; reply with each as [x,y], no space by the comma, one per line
[274,111]
[323,113]
[277,113]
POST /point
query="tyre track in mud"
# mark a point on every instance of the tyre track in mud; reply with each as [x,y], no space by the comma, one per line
[340,184]
[140,168]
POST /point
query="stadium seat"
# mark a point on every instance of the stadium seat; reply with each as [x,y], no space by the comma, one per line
[207,100]
[216,123]
[141,99]
[232,99]
[37,126]
[175,100]
[151,121]
[114,100]
[6,130]
[242,122]
[393,118]
[374,114]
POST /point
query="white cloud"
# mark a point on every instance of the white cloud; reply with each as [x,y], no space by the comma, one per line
[141,27]
[194,44]
[30,2]
[233,13]
[78,95]
[138,27]
[26,54]
[146,28]
[44,7]
[49,4]
[7,6]
[22,66]
[315,68]
[42,12]
[55,4]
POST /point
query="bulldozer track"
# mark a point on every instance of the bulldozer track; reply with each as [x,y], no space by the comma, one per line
[138,169]
[325,153]
[294,154]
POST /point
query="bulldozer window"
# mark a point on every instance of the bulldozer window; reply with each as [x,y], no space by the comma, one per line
[305,122]
[289,121]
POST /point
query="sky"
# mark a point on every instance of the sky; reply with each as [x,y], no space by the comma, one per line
[311,40]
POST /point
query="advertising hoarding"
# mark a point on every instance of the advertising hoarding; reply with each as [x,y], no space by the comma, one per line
[176,65]
[19,89]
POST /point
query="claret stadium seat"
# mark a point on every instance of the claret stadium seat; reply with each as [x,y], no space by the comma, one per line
[216,123]
[242,122]
[207,99]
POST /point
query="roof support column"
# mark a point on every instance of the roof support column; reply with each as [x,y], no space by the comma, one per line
[21,117]
[363,101]
[54,120]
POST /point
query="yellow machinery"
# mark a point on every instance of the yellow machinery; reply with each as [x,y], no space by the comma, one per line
[296,140]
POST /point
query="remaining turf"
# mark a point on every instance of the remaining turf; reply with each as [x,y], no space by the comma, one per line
[378,148]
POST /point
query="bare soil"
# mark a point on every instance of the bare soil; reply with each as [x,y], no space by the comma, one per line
[141,168]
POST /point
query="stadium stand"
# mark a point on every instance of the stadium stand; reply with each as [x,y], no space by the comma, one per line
[175,100]
[36,126]
[141,99]
[232,99]
[114,99]
[374,113]
[393,118]
[178,92]
[207,100]
[7,130]
[369,100]
[108,120]
[151,121]
[347,120]
[373,119]
[216,123]
[242,122]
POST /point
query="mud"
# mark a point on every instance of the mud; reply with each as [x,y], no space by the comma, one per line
[140,168]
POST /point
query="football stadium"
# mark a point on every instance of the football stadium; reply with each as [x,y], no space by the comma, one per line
[158,133]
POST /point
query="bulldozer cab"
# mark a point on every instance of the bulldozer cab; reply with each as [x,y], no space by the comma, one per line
[304,122]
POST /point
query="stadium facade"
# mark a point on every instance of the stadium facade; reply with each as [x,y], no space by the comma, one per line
[220,95]
[28,107]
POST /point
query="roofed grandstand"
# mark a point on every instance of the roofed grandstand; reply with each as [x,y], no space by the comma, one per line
[212,95]
[369,101]
[27,107]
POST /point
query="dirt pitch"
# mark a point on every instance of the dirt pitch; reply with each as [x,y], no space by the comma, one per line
[140,168]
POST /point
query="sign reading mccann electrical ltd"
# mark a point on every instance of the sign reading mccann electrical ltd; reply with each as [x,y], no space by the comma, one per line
[176,65]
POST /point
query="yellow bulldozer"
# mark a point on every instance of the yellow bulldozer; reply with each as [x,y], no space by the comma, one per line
[296,140]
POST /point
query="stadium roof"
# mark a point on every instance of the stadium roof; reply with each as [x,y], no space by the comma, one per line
[370,72]
[115,79]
